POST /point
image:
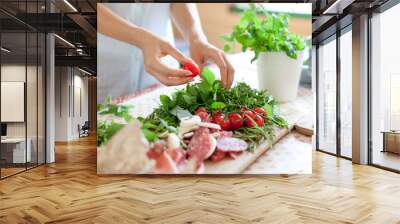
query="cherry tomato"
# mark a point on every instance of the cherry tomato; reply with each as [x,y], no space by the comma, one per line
[203,115]
[217,156]
[225,124]
[242,110]
[248,113]
[260,111]
[201,109]
[235,121]
[218,116]
[258,119]
[192,67]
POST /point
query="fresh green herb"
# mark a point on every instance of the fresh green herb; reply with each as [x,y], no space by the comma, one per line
[107,128]
[180,113]
[217,105]
[270,34]
[208,93]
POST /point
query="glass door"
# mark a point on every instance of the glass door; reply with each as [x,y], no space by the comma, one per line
[14,153]
[327,96]
[346,93]
[22,93]
[385,90]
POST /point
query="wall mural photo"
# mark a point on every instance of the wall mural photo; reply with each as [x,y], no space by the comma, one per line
[181,91]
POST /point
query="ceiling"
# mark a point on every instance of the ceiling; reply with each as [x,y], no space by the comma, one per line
[75,21]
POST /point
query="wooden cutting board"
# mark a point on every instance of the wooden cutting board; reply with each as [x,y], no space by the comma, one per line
[293,111]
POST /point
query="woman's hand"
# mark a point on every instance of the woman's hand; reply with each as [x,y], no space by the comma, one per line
[201,51]
[154,48]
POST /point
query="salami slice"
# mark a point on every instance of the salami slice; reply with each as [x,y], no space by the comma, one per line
[200,144]
[218,155]
[226,134]
[230,144]
[165,164]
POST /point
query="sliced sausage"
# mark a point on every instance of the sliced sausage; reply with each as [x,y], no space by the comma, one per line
[230,144]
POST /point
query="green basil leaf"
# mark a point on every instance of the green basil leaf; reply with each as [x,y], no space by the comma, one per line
[217,105]
[165,101]
[149,125]
[208,75]
[149,135]
[227,47]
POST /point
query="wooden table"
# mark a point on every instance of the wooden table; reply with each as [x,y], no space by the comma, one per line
[144,103]
[391,141]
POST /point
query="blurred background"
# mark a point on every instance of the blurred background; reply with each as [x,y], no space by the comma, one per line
[219,18]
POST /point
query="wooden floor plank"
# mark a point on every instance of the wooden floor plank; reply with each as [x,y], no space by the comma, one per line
[70,191]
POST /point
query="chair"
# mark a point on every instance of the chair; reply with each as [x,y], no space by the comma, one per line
[84,130]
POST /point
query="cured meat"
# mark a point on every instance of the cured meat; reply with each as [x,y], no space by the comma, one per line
[212,147]
[200,144]
[218,156]
[165,164]
[125,152]
[225,134]
[177,155]
[233,155]
[230,144]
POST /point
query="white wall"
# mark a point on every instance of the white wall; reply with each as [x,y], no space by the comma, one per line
[70,83]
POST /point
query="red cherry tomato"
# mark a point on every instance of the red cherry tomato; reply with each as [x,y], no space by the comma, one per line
[260,111]
[190,66]
[225,124]
[203,115]
[201,109]
[235,120]
[218,116]
[247,114]
[258,119]
[242,110]
[217,156]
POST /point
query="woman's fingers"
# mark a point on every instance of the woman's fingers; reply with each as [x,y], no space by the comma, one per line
[175,53]
[165,75]
[223,69]
[172,81]
[231,71]
[156,66]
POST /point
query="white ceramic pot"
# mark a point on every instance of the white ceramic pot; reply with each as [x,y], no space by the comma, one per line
[279,74]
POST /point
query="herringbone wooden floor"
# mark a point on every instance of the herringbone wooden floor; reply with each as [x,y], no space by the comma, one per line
[69,191]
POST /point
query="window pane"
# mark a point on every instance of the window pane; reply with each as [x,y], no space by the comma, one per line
[386,89]
[346,93]
[13,86]
[31,97]
[327,96]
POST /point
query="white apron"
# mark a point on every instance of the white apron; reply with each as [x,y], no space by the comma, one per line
[120,67]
